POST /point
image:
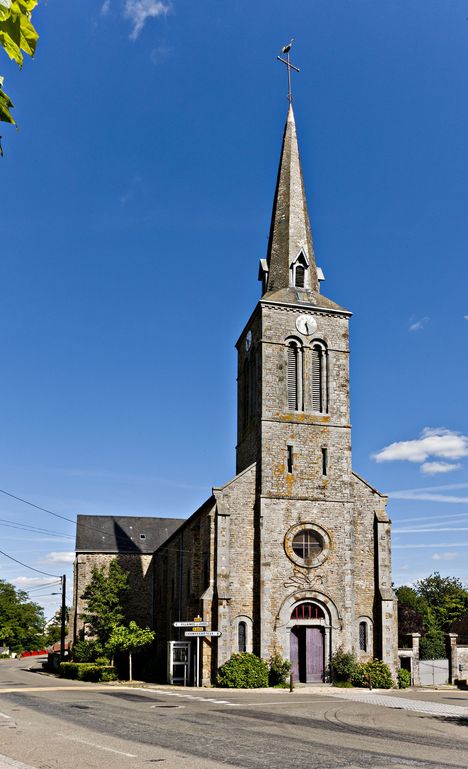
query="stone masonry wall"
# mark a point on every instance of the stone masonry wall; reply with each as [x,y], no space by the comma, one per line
[139,597]
[236,560]
[184,568]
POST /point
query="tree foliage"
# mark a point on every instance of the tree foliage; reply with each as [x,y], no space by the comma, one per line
[104,596]
[129,639]
[17,37]
[429,608]
[21,620]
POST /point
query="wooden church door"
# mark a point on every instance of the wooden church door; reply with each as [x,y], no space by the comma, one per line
[306,651]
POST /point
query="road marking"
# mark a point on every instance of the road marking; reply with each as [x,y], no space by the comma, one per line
[194,697]
[95,745]
[4,716]
[26,690]
[286,702]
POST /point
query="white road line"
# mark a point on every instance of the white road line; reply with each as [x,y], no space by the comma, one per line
[95,745]
[286,702]
[193,697]
[2,715]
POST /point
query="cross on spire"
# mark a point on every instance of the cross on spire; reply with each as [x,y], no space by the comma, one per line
[287,61]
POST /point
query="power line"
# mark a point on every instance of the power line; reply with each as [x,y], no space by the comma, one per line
[33,529]
[50,512]
[47,573]
[42,586]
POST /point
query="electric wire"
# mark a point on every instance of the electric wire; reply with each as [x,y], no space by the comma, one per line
[50,512]
[33,529]
[47,573]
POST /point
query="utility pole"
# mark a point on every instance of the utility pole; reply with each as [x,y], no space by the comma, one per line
[63,619]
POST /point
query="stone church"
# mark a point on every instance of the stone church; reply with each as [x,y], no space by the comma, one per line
[293,555]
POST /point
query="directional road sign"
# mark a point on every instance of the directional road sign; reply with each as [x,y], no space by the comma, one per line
[190,624]
[203,633]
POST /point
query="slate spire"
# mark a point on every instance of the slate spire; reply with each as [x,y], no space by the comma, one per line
[290,234]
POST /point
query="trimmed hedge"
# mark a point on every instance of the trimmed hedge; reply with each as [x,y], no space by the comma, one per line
[243,671]
[87,671]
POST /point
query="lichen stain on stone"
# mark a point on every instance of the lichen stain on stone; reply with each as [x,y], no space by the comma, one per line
[278,470]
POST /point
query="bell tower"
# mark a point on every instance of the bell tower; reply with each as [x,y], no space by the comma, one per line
[322,553]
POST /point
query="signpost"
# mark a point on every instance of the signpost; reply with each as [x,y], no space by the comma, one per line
[198,632]
[190,624]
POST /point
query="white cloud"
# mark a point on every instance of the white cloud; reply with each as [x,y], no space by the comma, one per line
[466,317]
[444,556]
[433,441]
[422,496]
[433,468]
[139,11]
[105,8]
[418,325]
[59,557]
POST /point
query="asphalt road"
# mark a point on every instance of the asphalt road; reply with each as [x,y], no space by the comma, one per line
[46,723]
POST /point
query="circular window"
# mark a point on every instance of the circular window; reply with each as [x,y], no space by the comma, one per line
[307,544]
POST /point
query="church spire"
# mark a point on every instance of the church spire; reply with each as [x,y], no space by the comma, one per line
[290,259]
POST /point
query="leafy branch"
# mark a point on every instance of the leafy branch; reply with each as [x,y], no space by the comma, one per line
[17,37]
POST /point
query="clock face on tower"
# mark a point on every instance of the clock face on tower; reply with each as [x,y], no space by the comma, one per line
[306,324]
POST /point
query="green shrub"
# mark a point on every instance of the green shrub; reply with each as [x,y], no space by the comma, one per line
[87,651]
[403,678]
[379,673]
[102,661]
[87,671]
[279,671]
[342,666]
[243,671]
[68,669]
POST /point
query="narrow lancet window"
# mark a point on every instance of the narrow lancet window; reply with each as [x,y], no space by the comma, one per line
[324,462]
[290,458]
[363,636]
[242,636]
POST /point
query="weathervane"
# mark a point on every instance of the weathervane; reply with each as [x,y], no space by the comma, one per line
[290,66]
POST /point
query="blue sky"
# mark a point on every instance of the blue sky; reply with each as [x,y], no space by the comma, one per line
[135,205]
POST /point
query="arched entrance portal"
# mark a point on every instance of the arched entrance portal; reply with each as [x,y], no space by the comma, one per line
[307,648]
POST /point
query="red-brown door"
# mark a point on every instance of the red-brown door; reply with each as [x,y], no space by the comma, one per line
[306,653]
[314,654]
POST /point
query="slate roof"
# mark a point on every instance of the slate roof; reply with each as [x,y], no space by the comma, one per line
[122,533]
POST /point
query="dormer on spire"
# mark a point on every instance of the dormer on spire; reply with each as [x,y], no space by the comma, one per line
[290,260]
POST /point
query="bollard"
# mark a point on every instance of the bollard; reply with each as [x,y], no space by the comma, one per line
[291,682]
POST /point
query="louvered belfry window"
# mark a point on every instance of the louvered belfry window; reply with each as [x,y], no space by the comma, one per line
[319,374]
[293,366]
[300,276]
